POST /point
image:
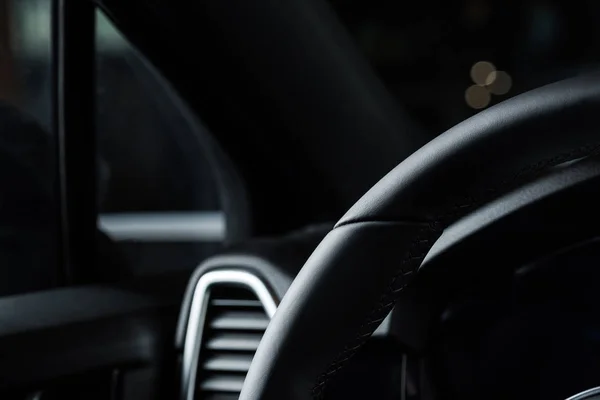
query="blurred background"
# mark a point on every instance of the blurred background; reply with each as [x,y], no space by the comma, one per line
[157,195]
[438,57]
[442,60]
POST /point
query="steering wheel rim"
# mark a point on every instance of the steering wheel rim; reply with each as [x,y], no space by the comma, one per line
[353,278]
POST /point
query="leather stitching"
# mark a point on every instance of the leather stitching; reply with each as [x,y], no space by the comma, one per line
[419,248]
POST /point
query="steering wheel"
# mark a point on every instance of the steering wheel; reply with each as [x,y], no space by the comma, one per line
[372,257]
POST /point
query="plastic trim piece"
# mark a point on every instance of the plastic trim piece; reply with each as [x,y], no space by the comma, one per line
[197,314]
[201,226]
[586,394]
[277,280]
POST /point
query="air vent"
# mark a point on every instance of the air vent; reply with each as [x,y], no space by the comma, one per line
[235,322]
[229,314]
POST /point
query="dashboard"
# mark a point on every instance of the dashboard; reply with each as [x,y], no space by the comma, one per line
[228,303]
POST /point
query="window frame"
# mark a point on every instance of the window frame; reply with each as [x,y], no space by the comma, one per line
[73,122]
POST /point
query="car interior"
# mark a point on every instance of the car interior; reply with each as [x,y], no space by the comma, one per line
[307,199]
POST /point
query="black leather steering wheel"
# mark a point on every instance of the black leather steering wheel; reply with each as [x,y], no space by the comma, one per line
[358,272]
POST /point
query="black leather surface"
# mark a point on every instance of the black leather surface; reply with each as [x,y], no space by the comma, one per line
[488,152]
[481,250]
[353,278]
[519,221]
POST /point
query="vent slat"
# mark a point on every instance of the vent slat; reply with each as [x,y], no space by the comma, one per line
[228,363]
[234,342]
[236,303]
[223,383]
[240,320]
[220,396]
[234,325]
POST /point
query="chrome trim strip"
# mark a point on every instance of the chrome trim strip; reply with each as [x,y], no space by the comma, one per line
[276,278]
[584,395]
[200,226]
[193,336]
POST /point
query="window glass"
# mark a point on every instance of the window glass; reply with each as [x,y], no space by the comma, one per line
[28,206]
[447,60]
[25,51]
[158,196]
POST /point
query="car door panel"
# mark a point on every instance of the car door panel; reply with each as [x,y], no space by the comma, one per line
[68,333]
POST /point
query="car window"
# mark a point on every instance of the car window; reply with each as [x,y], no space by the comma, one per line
[447,60]
[28,201]
[157,194]
[25,63]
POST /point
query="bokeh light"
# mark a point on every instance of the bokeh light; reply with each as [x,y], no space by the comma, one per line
[477,97]
[499,82]
[480,72]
